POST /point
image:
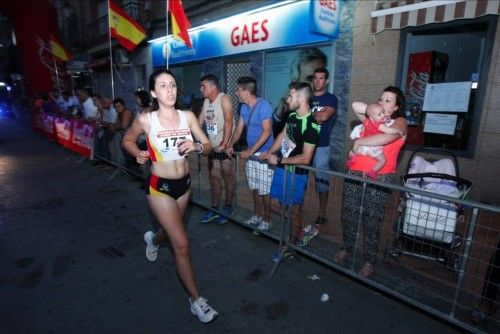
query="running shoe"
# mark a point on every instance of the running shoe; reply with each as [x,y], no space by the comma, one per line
[201,309]
[264,226]
[209,216]
[253,221]
[151,249]
[308,234]
[227,212]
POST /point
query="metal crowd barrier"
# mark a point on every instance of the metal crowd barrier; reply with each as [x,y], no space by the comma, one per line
[444,274]
[451,274]
[107,147]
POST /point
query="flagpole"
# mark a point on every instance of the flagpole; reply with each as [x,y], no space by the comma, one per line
[166,28]
[111,55]
[57,75]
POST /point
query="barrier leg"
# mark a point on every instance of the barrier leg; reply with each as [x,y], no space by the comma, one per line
[284,250]
[118,157]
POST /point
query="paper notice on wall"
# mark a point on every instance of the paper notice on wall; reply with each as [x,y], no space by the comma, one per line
[447,97]
[440,123]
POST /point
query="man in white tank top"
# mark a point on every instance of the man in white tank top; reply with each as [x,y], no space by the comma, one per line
[217,115]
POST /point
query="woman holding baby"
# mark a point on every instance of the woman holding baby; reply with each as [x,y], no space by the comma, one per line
[376,198]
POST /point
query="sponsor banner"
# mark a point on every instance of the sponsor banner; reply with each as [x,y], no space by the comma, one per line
[325,17]
[63,128]
[48,126]
[82,139]
[74,134]
[278,27]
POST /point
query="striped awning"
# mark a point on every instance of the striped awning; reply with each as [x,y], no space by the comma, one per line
[391,14]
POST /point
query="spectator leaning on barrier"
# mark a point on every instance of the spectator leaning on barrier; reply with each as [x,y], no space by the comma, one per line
[49,105]
[125,119]
[217,114]
[125,116]
[57,98]
[324,109]
[296,144]
[108,112]
[105,126]
[142,100]
[89,109]
[256,116]
[67,105]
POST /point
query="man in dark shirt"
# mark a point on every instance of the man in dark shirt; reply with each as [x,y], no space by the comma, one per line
[324,109]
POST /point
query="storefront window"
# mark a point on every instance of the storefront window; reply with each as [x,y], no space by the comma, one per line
[443,75]
[284,67]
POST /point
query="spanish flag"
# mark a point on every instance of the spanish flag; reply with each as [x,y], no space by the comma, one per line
[180,23]
[128,32]
[58,50]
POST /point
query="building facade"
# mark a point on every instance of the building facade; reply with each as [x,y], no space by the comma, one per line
[467,37]
[443,54]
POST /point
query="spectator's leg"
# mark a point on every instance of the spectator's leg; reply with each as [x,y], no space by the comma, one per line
[215,182]
[351,201]
[228,174]
[375,205]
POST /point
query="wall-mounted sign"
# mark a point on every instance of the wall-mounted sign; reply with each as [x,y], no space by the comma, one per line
[447,97]
[440,123]
[325,17]
[277,27]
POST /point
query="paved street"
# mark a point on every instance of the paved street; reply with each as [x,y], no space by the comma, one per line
[72,261]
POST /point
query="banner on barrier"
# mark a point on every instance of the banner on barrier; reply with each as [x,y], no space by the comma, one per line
[82,139]
[74,134]
[63,128]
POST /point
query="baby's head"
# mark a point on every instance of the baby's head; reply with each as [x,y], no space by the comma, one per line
[375,112]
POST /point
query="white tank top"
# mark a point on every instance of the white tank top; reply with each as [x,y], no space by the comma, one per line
[162,143]
[214,119]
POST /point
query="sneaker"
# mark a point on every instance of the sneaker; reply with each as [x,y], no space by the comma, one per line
[201,309]
[227,212]
[209,216]
[253,221]
[151,249]
[307,235]
[264,226]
